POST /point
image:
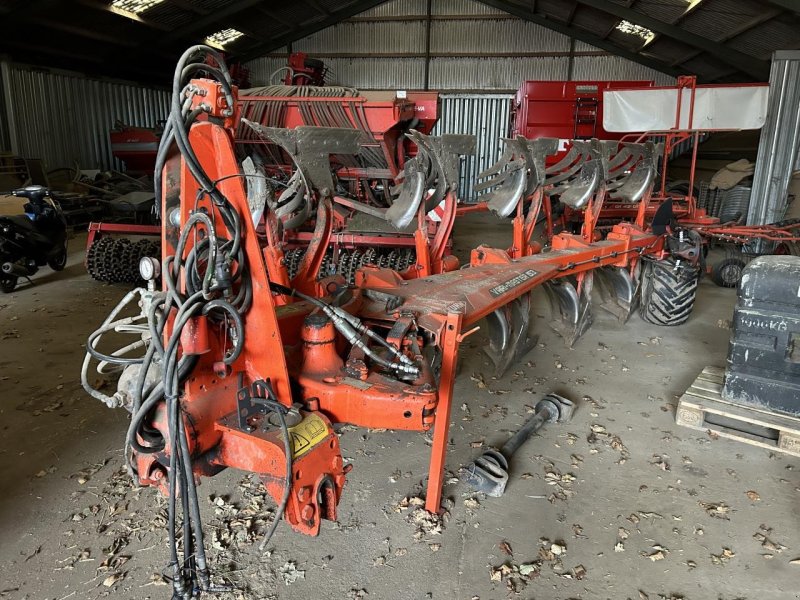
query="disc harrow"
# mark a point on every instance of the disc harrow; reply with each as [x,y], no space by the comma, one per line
[347,262]
[116,260]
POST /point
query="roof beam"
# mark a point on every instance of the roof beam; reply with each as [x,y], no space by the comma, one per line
[351,10]
[83,32]
[214,20]
[129,17]
[38,48]
[791,5]
[188,7]
[747,26]
[580,34]
[25,8]
[277,16]
[680,18]
[754,67]
[572,12]
[611,29]
[316,6]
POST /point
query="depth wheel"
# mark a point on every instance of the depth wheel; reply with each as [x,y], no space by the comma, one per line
[668,293]
[728,272]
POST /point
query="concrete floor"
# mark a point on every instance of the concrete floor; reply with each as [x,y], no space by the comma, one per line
[629,508]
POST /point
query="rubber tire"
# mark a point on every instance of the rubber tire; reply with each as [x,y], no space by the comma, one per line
[667,295]
[721,272]
[59,261]
[8,283]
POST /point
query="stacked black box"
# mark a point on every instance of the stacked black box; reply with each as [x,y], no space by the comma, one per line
[764,354]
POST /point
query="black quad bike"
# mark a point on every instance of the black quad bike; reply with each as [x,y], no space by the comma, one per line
[29,241]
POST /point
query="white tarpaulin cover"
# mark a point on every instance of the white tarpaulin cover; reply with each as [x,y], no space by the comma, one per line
[715,107]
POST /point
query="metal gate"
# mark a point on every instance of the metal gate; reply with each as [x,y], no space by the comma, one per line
[485,116]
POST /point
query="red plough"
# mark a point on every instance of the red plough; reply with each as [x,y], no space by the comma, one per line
[249,368]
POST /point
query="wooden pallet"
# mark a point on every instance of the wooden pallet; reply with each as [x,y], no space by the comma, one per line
[702,407]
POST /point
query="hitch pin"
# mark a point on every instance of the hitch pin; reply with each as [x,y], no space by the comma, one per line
[462,336]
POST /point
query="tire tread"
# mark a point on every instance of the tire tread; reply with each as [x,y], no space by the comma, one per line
[668,295]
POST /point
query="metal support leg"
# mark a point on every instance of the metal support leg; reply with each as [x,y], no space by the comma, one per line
[451,338]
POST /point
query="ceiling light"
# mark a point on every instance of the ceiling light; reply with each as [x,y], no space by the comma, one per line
[135,7]
[223,38]
[633,29]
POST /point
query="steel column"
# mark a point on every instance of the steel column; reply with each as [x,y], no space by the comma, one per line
[779,141]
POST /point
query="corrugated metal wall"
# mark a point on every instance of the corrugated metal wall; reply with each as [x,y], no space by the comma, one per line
[779,144]
[64,118]
[477,49]
[484,116]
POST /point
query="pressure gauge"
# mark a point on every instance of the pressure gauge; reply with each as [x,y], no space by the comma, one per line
[149,268]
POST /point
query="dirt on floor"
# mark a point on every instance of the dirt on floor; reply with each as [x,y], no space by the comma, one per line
[619,503]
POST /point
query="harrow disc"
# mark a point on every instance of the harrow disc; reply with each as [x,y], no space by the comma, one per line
[116,260]
[349,261]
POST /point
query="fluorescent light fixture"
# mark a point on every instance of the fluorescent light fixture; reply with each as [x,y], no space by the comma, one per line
[223,38]
[637,30]
[135,7]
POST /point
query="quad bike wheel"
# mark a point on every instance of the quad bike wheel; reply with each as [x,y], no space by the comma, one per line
[728,272]
[668,293]
[8,283]
[59,261]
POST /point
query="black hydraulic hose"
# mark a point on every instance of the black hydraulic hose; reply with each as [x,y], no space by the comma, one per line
[173,295]
[184,146]
[352,329]
[116,360]
[188,550]
[198,298]
[214,72]
[171,353]
[192,116]
[281,411]
[142,378]
[178,584]
[194,505]
[185,366]
[161,157]
[168,364]
[156,327]
[238,325]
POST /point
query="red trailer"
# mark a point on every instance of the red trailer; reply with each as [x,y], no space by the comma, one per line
[567,110]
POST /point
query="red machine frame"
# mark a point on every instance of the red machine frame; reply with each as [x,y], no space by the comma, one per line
[366,355]
[685,207]
[98,230]
[446,306]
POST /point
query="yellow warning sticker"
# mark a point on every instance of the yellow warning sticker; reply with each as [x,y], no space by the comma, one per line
[307,433]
